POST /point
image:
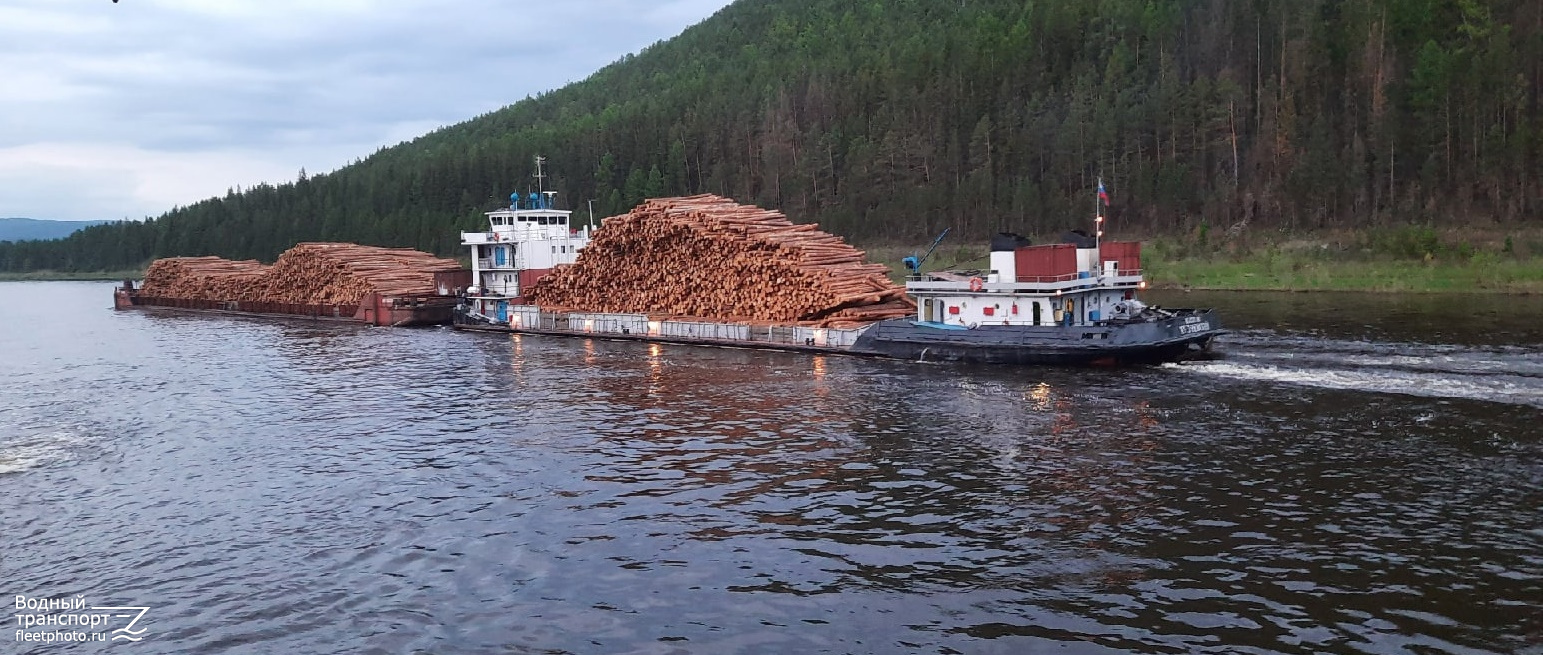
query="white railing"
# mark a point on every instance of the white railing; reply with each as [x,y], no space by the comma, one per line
[1030,284]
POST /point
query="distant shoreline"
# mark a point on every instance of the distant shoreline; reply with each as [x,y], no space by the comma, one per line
[1399,260]
[67,276]
[1276,271]
[1409,260]
[1411,291]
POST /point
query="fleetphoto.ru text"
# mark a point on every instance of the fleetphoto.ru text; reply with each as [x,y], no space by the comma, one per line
[51,620]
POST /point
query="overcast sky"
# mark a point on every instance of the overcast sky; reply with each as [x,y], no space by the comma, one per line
[126,110]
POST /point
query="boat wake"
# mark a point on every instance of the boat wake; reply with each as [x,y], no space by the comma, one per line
[37,451]
[1510,374]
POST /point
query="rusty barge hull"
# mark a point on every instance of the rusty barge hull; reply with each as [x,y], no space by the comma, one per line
[373,310]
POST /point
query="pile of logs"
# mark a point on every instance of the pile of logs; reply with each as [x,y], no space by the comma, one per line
[201,278]
[708,257]
[309,273]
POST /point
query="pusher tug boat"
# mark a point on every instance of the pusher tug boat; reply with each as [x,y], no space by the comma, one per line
[1071,303]
[1065,303]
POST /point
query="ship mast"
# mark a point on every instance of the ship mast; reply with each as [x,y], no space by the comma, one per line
[1098,212]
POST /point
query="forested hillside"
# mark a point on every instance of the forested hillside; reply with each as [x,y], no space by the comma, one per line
[889,120]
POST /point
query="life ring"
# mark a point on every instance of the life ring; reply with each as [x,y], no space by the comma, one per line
[976,284]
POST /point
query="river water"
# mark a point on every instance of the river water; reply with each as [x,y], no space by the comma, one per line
[1355,474]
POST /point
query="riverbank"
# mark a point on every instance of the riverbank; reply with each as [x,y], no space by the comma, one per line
[1404,260]
[1277,272]
[71,276]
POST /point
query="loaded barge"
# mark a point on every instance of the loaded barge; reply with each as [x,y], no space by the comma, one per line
[373,309]
[317,281]
[1072,303]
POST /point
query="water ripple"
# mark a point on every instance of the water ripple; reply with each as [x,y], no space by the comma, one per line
[290,486]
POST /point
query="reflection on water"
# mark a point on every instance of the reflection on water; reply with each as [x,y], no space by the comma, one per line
[291,486]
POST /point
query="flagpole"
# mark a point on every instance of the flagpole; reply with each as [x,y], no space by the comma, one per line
[1098,213]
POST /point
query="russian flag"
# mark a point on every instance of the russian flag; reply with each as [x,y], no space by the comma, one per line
[1102,194]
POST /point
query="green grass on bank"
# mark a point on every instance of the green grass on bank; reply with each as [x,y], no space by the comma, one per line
[1410,259]
[1270,272]
[38,276]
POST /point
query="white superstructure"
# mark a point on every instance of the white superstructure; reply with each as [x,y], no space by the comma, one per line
[523,243]
[1059,284]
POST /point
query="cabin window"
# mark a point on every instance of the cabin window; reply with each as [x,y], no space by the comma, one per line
[542,220]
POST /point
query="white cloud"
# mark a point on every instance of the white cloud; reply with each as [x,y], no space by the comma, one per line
[127,109]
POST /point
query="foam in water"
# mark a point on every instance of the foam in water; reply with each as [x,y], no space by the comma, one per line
[37,451]
[1493,387]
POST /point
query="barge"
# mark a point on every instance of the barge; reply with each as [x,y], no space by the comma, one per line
[317,281]
[1070,303]
[374,309]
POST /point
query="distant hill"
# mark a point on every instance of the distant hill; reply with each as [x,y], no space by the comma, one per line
[887,121]
[29,229]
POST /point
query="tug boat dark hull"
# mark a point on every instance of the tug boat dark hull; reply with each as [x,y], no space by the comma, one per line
[1183,335]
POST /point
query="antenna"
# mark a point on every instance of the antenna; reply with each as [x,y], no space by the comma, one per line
[1100,201]
[540,177]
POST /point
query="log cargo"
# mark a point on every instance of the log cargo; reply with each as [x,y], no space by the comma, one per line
[335,274]
[708,257]
[201,278]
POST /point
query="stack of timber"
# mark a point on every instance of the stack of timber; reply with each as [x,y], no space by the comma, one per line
[338,274]
[343,273]
[201,278]
[706,256]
